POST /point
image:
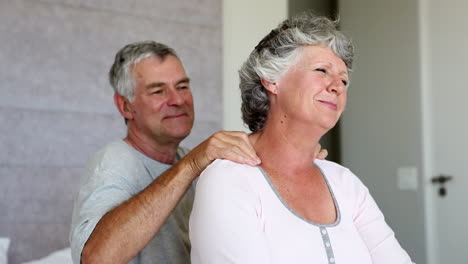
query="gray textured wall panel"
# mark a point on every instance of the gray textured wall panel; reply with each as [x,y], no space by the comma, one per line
[201,12]
[53,138]
[62,54]
[56,106]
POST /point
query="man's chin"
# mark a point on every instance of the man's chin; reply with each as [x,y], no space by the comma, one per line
[181,134]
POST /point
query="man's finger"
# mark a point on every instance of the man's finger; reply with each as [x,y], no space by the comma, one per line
[226,142]
[322,154]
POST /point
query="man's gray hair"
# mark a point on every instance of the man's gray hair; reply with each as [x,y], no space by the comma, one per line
[278,51]
[120,74]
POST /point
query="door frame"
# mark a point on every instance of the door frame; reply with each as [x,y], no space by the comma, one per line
[430,219]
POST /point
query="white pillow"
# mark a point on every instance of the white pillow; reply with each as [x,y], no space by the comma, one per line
[62,256]
[4,244]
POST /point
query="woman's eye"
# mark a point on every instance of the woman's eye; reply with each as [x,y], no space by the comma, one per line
[345,82]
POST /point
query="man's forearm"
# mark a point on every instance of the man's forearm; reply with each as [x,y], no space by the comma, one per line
[125,230]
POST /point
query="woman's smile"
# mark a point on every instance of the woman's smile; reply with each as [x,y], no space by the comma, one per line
[329,104]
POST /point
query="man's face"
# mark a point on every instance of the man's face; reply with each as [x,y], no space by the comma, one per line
[162,109]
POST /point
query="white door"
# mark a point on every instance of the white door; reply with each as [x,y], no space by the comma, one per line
[448,75]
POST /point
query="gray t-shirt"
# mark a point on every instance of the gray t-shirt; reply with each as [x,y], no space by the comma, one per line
[115,174]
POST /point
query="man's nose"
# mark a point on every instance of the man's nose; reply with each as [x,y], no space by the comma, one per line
[174,97]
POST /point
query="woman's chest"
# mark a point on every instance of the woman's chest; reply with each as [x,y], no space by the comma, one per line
[291,238]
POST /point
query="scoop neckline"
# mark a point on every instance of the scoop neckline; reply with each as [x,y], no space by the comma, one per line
[285,204]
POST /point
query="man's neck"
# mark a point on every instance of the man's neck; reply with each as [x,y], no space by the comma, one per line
[163,153]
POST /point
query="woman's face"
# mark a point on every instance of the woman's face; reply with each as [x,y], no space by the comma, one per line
[314,88]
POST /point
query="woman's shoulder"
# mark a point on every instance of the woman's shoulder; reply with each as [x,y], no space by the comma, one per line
[227,166]
[337,173]
[331,167]
[223,171]
[224,180]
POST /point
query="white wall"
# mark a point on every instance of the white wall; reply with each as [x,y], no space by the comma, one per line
[381,128]
[245,23]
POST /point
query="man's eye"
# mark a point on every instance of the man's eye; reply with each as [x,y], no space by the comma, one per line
[321,70]
[345,82]
[157,92]
[183,87]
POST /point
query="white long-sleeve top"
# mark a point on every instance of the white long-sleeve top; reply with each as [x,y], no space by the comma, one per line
[239,217]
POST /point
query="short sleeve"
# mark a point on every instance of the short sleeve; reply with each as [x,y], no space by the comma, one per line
[100,192]
[224,224]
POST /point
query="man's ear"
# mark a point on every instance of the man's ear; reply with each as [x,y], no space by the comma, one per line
[124,106]
[272,87]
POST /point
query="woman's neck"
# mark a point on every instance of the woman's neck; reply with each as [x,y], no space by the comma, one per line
[287,147]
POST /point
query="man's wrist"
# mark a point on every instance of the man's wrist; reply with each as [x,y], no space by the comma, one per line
[188,167]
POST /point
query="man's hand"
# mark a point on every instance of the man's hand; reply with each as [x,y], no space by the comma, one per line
[320,153]
[232,145]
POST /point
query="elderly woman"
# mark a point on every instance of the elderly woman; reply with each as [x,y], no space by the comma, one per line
[292,208]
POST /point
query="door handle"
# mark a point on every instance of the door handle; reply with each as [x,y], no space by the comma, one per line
[441,180]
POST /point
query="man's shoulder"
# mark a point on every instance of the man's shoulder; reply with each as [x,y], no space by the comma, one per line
[122,160]
[114,146]
[115,157]
[115,151]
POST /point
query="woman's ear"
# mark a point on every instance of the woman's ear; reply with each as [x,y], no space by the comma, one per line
[123,105]
[272,87]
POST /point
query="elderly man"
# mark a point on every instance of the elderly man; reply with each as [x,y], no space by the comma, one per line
[136,195]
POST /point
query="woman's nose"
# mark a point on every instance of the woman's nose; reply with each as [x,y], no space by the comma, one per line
[336,85]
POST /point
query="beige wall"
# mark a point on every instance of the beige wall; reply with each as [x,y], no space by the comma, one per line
[245,23]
